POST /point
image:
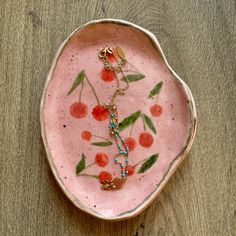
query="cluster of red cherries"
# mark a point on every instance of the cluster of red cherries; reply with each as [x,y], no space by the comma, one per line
[100,113]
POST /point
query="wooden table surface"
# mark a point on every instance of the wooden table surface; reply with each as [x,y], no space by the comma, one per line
[199,39]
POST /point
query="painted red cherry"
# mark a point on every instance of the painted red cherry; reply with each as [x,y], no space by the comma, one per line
[100,113]
[111,57]
[131,143]
[130,169]
[78,110]
[107,75]
[101,159]
[156,110]
[105,176]
[145,139]
[86,135]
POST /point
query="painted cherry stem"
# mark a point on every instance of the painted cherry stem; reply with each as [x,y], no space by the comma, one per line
[137,70]
[86,167]
[156,98]
[89,165]
[140,162]
[88,175]
[144,125]
[94,92]
[80,92]
[131,130]
[132,71]
[97,136]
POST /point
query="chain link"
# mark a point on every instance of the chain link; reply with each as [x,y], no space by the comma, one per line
[116,69]
[116,183]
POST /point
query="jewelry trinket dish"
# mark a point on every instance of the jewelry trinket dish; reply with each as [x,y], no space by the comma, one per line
[116,119]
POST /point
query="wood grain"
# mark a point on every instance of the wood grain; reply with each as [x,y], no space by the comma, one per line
[199,39]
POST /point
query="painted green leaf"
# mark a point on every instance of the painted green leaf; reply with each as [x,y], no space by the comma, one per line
[148,163]
[149,123]
[156,90]
[102,144]
[78,80]
[121,53]
[129,120]
[81,165]
[134,77]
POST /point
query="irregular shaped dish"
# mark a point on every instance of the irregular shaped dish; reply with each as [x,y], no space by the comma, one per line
[157,116]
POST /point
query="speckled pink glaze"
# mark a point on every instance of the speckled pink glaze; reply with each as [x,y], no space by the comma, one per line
[65,145]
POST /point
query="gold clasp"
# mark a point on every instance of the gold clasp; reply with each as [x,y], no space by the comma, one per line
[104,51]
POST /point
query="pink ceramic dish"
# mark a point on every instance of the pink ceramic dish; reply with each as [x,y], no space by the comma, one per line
[75,128]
